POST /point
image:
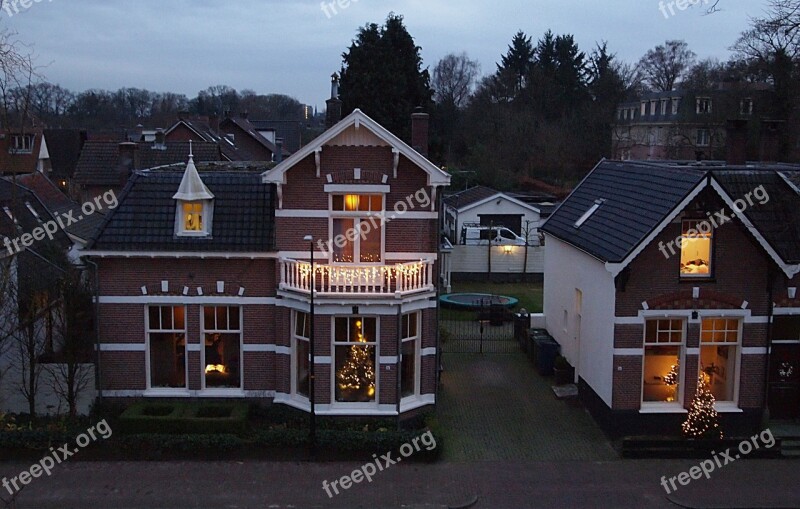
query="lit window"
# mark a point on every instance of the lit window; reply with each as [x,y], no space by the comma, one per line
[193,216]
[586,215]
[222,338]
[661,373]
[719,346]
[166,337]
[357,229]
[409,355]
[355,343]
[696,241]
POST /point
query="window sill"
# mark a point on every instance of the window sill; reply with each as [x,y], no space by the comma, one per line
[221,393]
[166,393]
[662,408]
[727,407]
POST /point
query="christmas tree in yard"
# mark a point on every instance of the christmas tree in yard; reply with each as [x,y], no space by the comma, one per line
[702,421]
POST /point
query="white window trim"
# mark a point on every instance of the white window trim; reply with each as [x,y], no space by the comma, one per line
[208,216]
[222,391]
[160,390]
[357,217]
[341,405]
[679,397]
[417,337]
[726,405]
[295,342]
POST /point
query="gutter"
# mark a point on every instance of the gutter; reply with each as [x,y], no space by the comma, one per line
[97,379]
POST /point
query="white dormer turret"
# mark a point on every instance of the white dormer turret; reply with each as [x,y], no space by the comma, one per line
[195,203]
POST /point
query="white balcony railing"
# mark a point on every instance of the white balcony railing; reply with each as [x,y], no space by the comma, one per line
[362,280]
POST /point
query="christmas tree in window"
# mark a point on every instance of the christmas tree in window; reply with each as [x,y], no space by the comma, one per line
[358,372]
[703,420]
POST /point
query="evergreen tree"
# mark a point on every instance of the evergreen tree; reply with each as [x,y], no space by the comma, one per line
[702,420]
[382,75]
[515,66]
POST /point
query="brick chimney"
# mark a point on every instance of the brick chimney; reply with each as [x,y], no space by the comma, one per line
[160,142]
[128,160]
[419,131]
[736,143]
[771,140]
[334,104]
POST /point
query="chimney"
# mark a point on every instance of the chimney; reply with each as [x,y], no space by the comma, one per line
[419,131]
[334,104]
[127,161]
[736,142]
[160,141]
[279,154]
[771,140]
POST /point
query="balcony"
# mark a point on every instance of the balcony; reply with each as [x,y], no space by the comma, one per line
[396,280]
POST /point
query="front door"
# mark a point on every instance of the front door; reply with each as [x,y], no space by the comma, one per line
[784,381]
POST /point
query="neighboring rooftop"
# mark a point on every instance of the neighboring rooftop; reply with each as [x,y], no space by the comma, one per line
[469,196]
[101,162]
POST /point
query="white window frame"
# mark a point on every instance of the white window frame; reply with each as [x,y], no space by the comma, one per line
[679,395]
[675,103]
[747,101]
[26,145]
[358,217]
[180,223]
[148,330]
[416,337]
[704,105]
[376,344]
[295,359]
[722,404]
[204,331]
[706,140]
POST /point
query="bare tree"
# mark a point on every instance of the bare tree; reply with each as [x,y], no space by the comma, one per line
[454,78]
[664,65]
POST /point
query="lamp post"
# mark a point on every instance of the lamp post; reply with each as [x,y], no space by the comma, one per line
[312,428]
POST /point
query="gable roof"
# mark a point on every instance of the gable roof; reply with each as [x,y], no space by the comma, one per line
[144,221]
[357,120]
[639,199]
[99,163]
[479,195]
[246,126]
[64,146]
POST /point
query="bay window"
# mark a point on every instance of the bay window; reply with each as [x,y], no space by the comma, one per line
[409,355]
[355,344]
[302,353]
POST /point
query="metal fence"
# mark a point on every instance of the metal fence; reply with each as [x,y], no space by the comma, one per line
[485,330]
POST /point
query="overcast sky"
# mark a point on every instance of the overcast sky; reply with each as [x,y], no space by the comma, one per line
[292,47]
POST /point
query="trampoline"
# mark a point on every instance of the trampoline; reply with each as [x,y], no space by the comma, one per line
[476,300]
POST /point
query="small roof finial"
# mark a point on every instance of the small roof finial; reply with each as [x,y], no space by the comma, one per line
[191,156]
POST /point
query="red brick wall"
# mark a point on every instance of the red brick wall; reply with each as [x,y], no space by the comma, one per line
[122,371]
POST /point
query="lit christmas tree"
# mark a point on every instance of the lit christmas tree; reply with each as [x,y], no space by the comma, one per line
[358,371]
[702,421]
[671,379]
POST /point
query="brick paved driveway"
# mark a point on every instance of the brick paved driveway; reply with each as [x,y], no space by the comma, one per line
[496,407]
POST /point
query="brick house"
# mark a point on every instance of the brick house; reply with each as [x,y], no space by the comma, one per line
[654,271]
[205,287]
